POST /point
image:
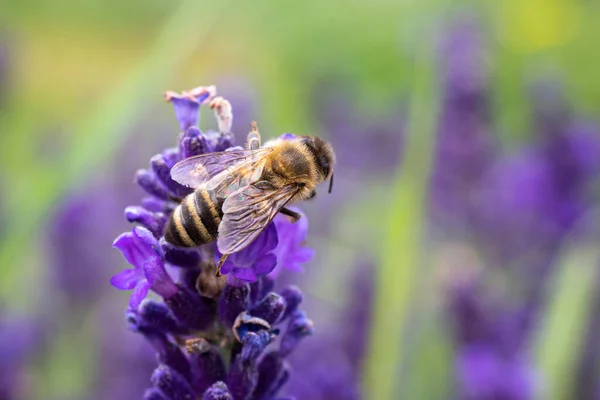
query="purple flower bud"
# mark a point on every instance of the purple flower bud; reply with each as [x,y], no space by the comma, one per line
[158,317]
[162,170]
[154,222]
[232,302]
[167,352]
[147,181]
[207,364]
[190,309]
[172,384]
[246,323]
[179,256]
[281,380]
[270,309]
[253,344]
[154,394]
[260,288]
[193,143]
[242,378]
[293,297]
[218,391]
[298,327]
[171,156]
[219,141]
[273,371]
[157,205]
[172,356]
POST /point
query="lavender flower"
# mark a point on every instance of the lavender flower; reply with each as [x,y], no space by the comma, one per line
[212,335]
[331,367]
[464,147]
[19,339]
[488,365]
[517,208]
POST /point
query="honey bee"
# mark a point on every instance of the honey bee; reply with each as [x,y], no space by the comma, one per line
[239,192]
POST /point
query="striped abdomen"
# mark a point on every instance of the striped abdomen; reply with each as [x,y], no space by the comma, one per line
[196,220]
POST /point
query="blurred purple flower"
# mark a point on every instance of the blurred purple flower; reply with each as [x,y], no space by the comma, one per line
[371,144]
[484,374]
[489,363]
[19,339]
[125,362]
[78,232]
[203,318]
[330,366]
[464,147]
[518,209]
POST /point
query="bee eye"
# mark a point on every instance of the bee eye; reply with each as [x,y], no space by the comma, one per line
[324,165]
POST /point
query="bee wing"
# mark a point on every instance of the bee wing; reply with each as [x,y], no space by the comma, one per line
[197,170]
[242,174]
[248,211]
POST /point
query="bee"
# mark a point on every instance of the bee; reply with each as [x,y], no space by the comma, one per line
[239,192]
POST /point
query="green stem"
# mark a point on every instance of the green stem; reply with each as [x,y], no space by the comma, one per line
[400,257]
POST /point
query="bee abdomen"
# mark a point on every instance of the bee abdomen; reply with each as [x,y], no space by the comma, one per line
[196,220]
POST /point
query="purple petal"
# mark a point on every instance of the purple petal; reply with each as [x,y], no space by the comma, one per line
[186,112]
[287,136]
[139,293]
[159,279]
[171,383]
[232,302]
[126,280]
[207,364]
[147,181]
[265,265]
[155,222]
[125,243]
[226,267]
[146,238]
[266,242]
[270,309]
[244,274]
[302,255]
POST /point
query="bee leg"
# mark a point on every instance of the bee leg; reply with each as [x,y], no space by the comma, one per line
[253,141]
[294,215]
[176,199]
[221,262]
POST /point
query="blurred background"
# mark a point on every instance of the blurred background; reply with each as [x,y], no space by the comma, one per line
[457,257]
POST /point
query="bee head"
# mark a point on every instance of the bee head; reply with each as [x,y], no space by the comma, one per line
[324,156]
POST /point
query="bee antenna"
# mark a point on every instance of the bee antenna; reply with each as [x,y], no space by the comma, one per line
[331,182]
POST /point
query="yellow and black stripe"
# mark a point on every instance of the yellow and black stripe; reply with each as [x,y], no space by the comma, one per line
[196,220]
